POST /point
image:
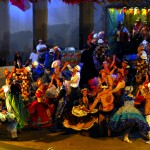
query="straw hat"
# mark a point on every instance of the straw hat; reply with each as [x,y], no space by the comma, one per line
[84,89]
[77,67]
[55,64]
[129,89]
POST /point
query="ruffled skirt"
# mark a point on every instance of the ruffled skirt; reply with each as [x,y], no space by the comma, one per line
[40,115]
[128,116]
[79,119]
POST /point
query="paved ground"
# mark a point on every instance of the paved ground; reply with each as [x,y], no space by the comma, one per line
[44,139]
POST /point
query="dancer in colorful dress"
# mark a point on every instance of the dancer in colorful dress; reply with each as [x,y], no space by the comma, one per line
[14,104]
[80,118]
[128,116]
[40,110]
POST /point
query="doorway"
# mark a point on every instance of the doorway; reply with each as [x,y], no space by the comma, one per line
[128,16]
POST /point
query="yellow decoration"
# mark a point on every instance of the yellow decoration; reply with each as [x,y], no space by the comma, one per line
[135,10]
[111,10]
[131,10]
[119,11]
[143,11]
[128,12]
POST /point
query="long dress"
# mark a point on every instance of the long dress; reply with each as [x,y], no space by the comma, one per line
[14,104]
[79,118]
[88,70]
[128,116]
[40,114]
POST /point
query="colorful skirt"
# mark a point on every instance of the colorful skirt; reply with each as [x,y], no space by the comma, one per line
[40,115]
[79,119]
[128,116]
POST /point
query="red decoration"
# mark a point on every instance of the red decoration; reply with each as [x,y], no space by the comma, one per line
[146,11]
[124,10]
[74,1]
[32,1]
[22,4]
[138,11]
[131,10]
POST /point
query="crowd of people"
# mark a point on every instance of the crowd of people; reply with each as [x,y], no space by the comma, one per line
[45,93]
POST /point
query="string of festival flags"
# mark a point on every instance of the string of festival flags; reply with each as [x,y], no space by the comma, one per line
[132,10]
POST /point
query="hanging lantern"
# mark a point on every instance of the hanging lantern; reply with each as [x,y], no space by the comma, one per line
[124,9]
[143,11]
[146,11]
[111,10]
[131,10]
[138,12]
[135,10]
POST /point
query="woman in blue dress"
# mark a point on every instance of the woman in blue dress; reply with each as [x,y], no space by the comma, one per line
[128,116]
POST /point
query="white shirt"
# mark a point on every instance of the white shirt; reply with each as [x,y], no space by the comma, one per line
[74,82]
[75,79]
[40,46]
[34,57]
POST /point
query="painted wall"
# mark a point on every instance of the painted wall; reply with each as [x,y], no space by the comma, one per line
[21,32]
[63,24]
[100,18]
[16,31]
[4,29]
[55,22]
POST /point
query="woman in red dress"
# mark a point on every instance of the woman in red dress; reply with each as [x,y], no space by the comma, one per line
[40,110]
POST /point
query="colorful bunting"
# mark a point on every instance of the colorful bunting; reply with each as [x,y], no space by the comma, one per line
[144,11]
[131,11]
[25,4]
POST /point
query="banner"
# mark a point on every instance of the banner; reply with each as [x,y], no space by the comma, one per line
[73,57]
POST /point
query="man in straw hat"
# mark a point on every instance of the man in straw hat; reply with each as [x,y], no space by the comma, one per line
[74,83]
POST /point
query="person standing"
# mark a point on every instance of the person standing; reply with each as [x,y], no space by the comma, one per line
[89,70]
[122,39]
[17,60]
[41,49]
[60,102]
[106,99]
[33,56]
[74,83]
[15,105]
[128,116]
